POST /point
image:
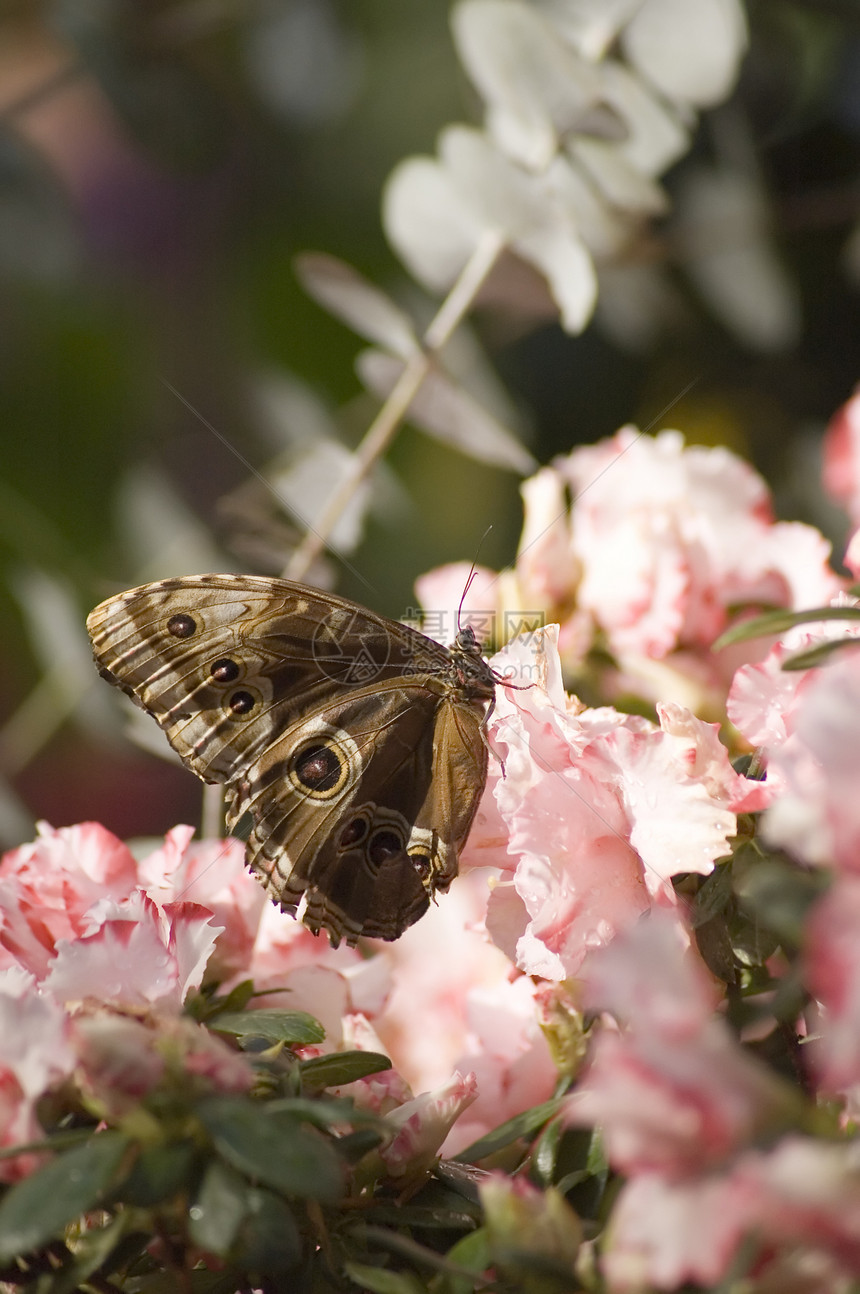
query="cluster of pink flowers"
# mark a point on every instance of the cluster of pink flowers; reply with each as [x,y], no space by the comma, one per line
[641,548]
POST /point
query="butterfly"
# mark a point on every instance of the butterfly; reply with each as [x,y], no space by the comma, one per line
[353,744]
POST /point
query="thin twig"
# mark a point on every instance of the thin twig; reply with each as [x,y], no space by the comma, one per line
[382,430]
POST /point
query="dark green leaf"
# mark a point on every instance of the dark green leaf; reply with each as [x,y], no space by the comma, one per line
[270,1023]
[472,1254]
[417,1218]
[269,1239]
[382,1281]
[158,1173]
[93,1250]
[545,1152]
[818,655]
[325,1112]
[355,1145]
[278,1150]
[779,896]
[465,1179]
[522,1125]
[342,1067]
[717,948]
[236,1000]
[778,622]
[218,1209]
[714,895]
[39,1207]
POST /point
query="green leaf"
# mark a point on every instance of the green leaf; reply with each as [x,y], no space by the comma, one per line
[522,1125]
[276,1149]
[464,1179]
[382,1281]
[545,1153]
[472,1253]
[342,1067]
[270,1023]
[39,1207]
[779,896]
[818,654]
[420,1218]
[93,1250]
[325,1112]
[269,1240]
[236,1000]
[778,622]
[217,1211]
[158,1173]
[355,1145]
[714,895]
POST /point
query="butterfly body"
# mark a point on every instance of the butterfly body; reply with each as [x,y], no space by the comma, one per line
[354,743]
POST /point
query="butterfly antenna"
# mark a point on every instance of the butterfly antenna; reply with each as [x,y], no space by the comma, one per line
[473,575]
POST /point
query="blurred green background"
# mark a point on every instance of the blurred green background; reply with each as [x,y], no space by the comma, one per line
[161,164]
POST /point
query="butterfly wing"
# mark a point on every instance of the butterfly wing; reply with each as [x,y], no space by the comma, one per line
[337,730]
[224,663]
[363,807]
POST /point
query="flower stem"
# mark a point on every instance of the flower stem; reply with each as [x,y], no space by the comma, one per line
[382,430]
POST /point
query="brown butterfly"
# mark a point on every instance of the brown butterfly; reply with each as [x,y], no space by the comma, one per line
[354,744]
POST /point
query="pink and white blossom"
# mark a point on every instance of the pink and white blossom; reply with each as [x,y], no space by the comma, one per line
[135,954]
[672,1090]
[423,1123]
[841,457]
[795,1208]
[601,810]
[832,974]
[816,815]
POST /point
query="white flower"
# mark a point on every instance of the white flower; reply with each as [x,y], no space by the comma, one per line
[436,211]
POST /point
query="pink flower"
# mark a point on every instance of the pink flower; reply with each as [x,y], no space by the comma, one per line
[646,546]
[816,815]
[832,965]
[423,1124]
[35,1054]
[841,450]
[135,954]
[211,873]
[330,983]
[524,1221]
[673,1092]
[483,1014]
[795,1207]
[47,887]
[670,537]
[123,1058]
[601,810]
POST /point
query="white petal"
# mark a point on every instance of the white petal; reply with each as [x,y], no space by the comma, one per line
[502,196]
[445,411]
[656,135]
[535,87]
[589,25]
[618,180]
[689,49]
[603,229]
[428,222]
[348,295]
[569,271]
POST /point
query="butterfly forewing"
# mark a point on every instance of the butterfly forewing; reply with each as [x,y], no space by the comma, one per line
[355,743]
